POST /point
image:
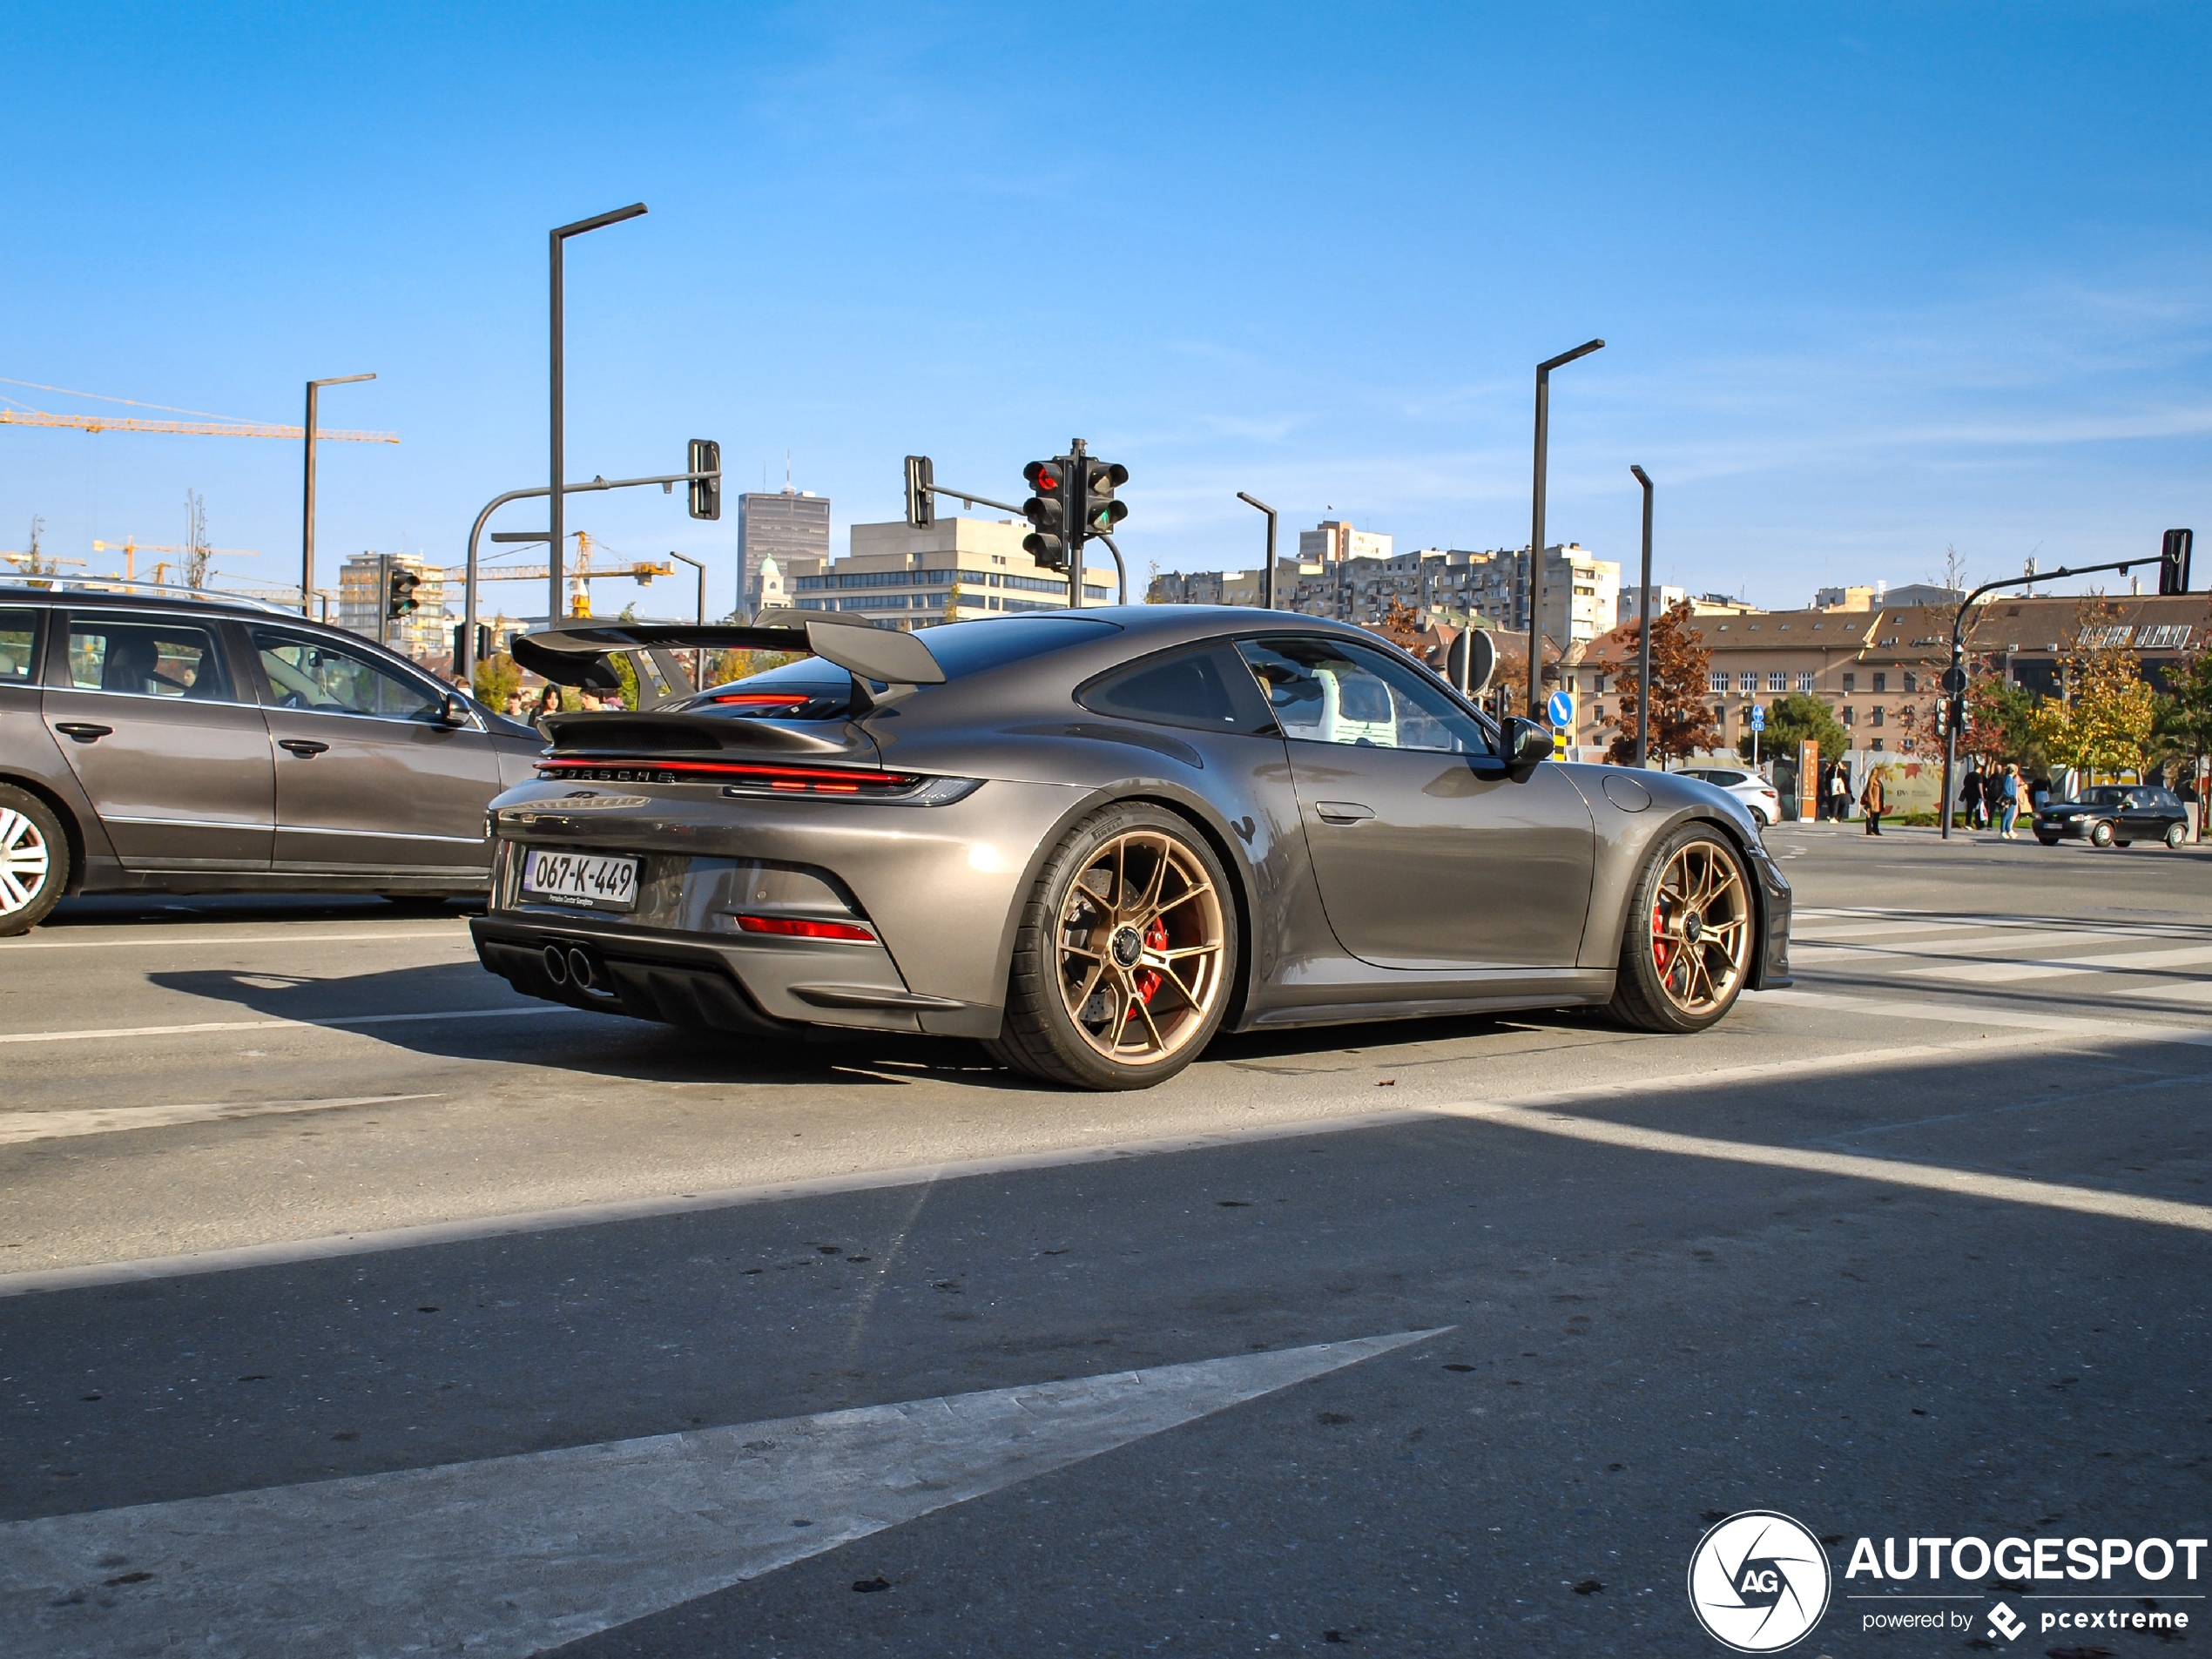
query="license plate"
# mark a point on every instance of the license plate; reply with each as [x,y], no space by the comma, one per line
[581,878]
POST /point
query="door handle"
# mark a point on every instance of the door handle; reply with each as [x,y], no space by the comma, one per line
[83,730]
[303,747]
[1342,811]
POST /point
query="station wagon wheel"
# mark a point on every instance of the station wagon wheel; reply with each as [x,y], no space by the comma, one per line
[1686,948]
[1123,962]
[34,860]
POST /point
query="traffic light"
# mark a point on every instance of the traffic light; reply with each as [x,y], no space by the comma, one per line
[399,593]
[1046,508]
[482,653]
[1100,512]
[921,500]
[2174,562]
[704,454]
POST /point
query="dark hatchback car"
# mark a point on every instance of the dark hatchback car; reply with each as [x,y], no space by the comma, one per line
[166,741]
[2113,815]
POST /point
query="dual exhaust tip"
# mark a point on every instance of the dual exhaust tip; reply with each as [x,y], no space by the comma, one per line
[573,967]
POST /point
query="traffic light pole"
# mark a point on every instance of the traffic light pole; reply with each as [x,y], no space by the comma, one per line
[1954,678]
[464,667]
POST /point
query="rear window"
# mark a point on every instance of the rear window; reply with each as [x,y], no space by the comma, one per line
[18,635]
[1207,689]
[144,657]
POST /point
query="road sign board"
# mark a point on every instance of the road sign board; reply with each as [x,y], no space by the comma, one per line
[1561,708]
[1758,719]
[1955,680]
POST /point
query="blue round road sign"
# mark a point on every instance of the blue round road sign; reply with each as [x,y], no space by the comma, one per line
[1562,709]
[1758,719]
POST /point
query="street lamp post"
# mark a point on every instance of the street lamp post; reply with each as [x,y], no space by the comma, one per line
[307,503]
[698,615]
[1643,633]
[557,239]
[1266,582]
[1536,523]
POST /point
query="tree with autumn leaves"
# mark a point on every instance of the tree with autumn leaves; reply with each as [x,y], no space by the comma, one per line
[1682,708]
[2107,720]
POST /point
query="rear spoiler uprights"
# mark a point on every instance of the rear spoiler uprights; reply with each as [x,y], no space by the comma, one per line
[577,654]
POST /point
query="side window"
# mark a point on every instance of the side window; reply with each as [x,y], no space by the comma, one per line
[18,644]
[144,657]
[313,674]
[1196,689]
[1323,691]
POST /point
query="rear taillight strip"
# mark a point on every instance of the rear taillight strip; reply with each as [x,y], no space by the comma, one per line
[789,780]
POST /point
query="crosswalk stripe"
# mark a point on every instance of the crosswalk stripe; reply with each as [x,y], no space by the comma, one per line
[512,1556]
[2007,973]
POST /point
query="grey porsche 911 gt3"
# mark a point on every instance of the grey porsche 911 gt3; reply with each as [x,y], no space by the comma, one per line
[1093,839]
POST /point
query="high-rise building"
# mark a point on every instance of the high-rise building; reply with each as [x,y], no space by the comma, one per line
[954,570]
[424,632]
[789,525]
[1663,595]
[1334,540]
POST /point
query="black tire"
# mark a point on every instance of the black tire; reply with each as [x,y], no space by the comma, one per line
[2100,833]
[1663,953]
[34,860]
[2177,836]
[1159,898]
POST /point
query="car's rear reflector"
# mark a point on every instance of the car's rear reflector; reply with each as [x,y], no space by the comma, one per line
[805,927]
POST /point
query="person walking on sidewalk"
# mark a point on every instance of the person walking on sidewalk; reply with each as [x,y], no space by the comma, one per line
[1870,801]
[1970,795]
[2010,788]
[1839,793]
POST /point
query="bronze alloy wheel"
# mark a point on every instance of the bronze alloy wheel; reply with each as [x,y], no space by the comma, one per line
[1126,956]
[1686,951]
[1139,942]
[1700,927]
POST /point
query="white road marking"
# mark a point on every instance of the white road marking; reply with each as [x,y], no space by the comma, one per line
[158,936]
[16,1127]
[2052,967]
[2035,1030]
[1964,944]
[336,1022]
[511,1555]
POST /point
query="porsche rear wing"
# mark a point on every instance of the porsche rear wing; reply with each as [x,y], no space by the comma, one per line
[578,653]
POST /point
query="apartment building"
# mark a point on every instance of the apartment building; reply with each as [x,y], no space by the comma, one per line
[954,571]
[423,633]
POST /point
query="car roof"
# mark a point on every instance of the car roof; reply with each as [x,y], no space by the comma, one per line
[180,598]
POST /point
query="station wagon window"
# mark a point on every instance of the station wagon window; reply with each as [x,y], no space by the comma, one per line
[313,674]
[1194,689]
[18,639]
[1327,693]
[145,657]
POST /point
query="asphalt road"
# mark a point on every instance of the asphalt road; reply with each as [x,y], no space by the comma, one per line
[350,1304]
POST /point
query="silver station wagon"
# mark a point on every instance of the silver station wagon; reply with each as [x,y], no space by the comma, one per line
[163,740]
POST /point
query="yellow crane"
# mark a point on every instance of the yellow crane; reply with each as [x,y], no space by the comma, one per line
[213,427]
[131,548]
[641,572]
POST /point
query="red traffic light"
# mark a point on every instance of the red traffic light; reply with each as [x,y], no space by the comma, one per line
[1044,475]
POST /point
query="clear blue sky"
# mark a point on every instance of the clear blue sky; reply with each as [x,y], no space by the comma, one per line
[1876,279]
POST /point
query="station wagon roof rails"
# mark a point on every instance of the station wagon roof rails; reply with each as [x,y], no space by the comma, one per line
[131,586]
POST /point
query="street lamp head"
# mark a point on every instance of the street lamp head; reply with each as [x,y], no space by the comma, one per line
[1643,477]
[342,379]
[1254,501]
[1567,357]
[596,221]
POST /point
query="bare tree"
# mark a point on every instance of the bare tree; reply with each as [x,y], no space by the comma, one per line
[196,549]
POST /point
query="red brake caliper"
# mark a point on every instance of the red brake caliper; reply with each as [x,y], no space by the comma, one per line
[1661,946]
[1147,980]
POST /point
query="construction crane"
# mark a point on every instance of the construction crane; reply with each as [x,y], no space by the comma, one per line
[641,572]
[214,426]
[131,548]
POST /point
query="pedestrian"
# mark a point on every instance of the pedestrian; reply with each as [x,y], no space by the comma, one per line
[2011,789]
[1990,788]
[1970,796]
[1839,793]
[549,703]
[514,710]
[1870,801]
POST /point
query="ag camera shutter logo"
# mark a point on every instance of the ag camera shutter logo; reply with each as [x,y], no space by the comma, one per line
[1759,1581]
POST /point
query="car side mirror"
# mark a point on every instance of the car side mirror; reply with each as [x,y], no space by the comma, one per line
[1527,743]
[454,712]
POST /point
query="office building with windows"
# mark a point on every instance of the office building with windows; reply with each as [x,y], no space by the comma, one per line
[954,570]
[423,633]
[789,525]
